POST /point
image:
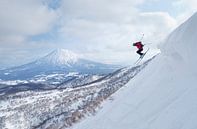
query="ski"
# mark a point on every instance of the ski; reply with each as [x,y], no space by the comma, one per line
[137,61]
[141,57]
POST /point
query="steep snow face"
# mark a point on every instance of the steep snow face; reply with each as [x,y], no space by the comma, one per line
[61,57]
[162,96]
[181,45]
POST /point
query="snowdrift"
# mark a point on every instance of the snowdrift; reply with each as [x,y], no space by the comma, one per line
[162,96]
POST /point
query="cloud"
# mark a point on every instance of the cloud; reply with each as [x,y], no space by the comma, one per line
[22,18]
[186,9]
[101,9]
[110,28]
[192,4]
[101,30]
[19,20]
[157,25]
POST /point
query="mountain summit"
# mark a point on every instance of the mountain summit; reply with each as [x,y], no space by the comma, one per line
[61,57]
[58,61]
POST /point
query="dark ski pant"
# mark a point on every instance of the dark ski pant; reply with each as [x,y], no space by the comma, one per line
[140,52]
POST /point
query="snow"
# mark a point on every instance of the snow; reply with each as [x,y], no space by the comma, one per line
[62,57]
[13,82]
[162,96]
[58,61]
[6,73]
[60,108]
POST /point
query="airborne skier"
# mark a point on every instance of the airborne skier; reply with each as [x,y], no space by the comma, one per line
[139,45]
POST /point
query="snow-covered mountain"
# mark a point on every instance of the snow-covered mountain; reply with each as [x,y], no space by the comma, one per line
[60,57]
[58,61]
[163,95]
[60,108]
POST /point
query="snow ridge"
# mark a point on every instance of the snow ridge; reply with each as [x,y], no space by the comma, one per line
[181,45]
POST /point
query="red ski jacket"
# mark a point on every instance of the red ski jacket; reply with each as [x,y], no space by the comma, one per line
[139,45]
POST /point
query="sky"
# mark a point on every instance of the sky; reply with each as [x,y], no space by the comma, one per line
[101,30]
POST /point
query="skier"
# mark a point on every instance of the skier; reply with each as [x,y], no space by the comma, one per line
[139,45]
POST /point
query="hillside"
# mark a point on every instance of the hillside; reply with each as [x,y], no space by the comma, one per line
[60,108]
[162,96]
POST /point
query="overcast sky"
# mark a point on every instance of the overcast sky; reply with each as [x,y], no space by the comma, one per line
[101,30]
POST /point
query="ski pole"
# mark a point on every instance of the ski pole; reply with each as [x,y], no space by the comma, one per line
[142,37]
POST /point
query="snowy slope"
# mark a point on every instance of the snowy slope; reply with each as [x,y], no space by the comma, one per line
[60,108]
[162,96]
